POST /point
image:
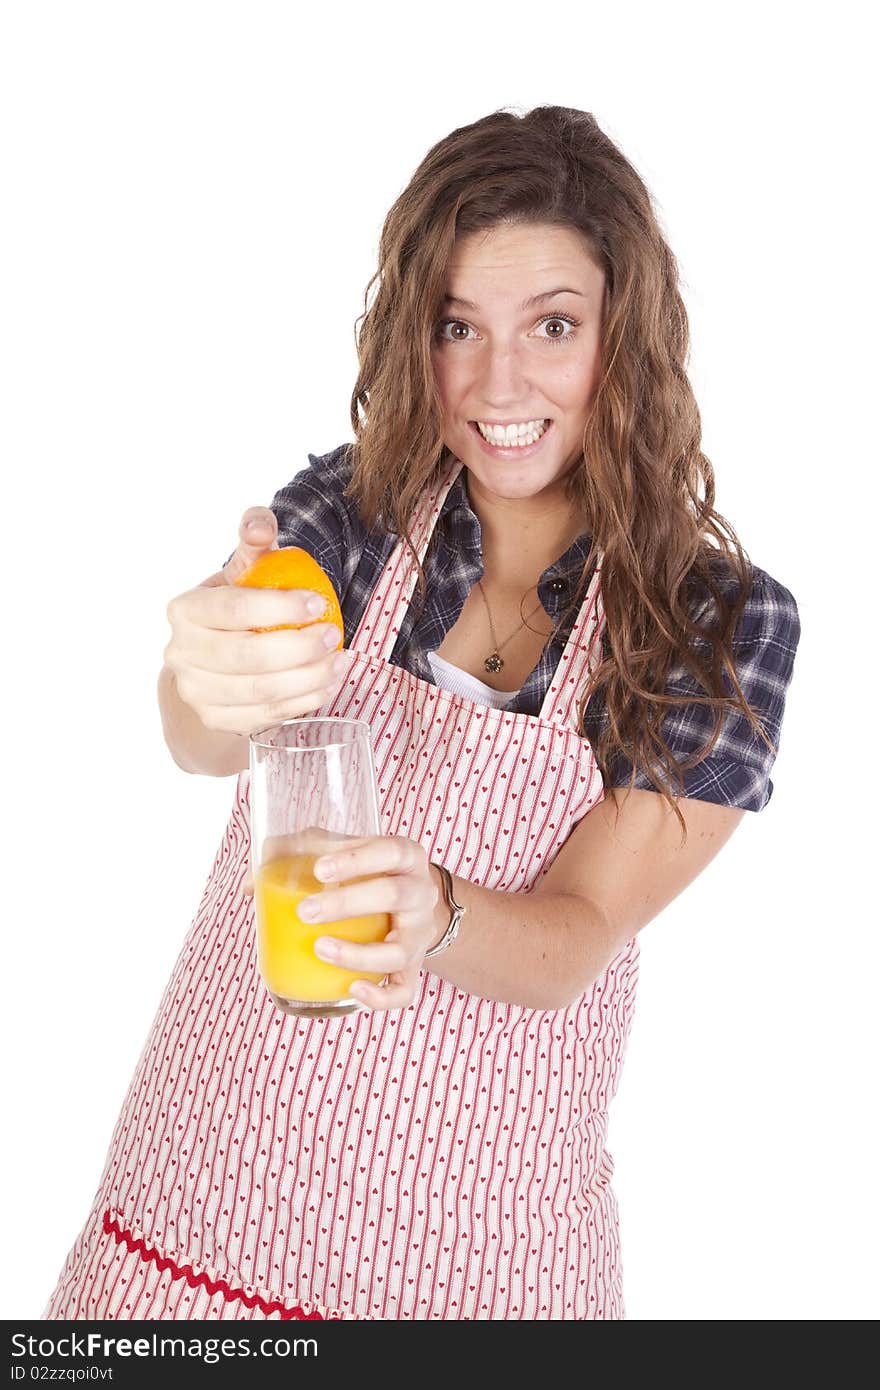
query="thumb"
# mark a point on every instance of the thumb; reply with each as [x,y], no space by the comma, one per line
[257,533]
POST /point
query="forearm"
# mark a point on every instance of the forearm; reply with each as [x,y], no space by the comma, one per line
[193,747]
[540,950]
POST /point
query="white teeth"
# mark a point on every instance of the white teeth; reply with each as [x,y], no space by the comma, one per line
[512,436]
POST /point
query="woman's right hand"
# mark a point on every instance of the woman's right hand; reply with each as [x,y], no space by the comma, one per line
[238,680]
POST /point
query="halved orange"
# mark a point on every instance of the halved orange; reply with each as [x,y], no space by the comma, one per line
[291,567]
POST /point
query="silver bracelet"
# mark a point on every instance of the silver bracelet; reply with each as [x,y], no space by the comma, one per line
[455,909]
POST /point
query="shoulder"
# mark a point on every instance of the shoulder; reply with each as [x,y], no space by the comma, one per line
[325,480]
[768,629]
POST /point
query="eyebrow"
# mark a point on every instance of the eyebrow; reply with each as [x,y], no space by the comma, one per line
[526,304]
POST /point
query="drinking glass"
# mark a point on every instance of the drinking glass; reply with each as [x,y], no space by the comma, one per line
[313,790]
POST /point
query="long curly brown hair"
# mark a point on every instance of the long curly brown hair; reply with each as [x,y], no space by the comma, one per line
[644,483]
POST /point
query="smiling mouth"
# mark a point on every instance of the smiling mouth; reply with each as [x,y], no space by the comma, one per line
[520,439]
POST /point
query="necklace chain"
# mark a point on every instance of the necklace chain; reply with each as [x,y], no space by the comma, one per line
[493,661]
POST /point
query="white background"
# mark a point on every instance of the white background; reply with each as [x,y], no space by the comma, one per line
[192,200]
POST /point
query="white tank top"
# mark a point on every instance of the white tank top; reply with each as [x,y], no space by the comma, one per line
[460,682]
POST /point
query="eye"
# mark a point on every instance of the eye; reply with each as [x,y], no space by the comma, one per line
[450,323]
[559,318]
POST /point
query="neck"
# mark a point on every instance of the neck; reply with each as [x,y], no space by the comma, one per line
[521,537]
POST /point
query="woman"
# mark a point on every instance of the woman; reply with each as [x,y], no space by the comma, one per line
[571,718]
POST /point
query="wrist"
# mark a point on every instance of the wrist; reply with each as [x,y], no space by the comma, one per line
[448,912]
[440,917]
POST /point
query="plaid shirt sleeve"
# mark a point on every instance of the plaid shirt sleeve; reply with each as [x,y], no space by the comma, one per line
[737,771]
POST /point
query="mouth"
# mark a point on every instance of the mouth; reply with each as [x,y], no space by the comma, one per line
[512,449]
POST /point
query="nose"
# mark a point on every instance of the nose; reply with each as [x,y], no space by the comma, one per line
[502,383]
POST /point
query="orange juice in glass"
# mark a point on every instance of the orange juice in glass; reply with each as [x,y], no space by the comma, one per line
[312,791]
[285,944]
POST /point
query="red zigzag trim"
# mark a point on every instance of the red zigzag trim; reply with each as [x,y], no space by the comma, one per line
[123,1237]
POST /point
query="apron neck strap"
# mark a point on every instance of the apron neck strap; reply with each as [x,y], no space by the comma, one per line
[383,618]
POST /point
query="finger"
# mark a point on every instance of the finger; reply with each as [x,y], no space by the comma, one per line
[312,839]
[250,653]
[265,690]
[258,527]
[315,666]
[398,993]
[257,533]
[246,720]
[383,854]
[398,896]
[373,957]
[240,609]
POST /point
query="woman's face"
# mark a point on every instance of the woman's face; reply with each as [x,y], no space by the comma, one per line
[505,361]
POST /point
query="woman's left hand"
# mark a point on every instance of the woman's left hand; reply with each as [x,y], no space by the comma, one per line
[395,876]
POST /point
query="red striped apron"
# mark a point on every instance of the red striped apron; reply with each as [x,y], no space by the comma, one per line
[446,1160]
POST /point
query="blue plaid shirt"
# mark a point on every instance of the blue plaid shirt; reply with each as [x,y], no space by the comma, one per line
[313,512]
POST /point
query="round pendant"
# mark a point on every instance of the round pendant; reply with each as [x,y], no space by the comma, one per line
[493,663]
